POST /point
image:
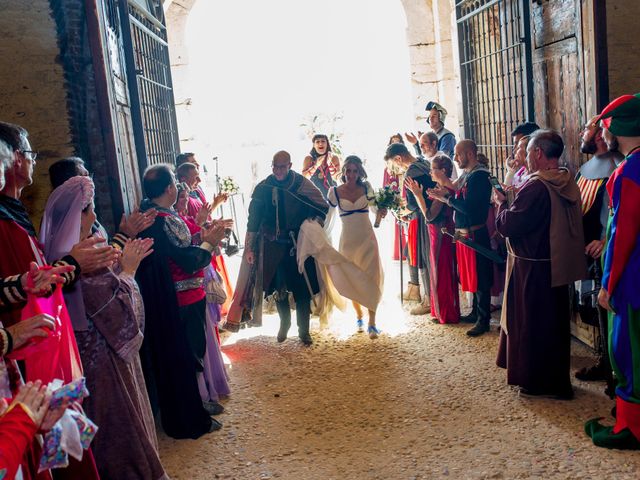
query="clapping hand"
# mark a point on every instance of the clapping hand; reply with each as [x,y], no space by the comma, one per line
[214,233]
[413,186]
[134,252]
[204,213]
[35,397]
[219,200]
[137,222]
[92,258]
[438,193]
[225,222]
[411,138]
[40,281]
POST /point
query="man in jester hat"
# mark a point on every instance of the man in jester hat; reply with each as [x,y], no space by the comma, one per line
[620,292]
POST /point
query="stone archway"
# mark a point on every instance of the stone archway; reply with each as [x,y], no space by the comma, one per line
[431,39]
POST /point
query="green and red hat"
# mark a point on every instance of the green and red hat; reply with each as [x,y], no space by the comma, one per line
[622,116]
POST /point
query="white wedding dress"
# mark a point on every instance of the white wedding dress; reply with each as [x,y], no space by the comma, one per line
[354,272]
[359,245]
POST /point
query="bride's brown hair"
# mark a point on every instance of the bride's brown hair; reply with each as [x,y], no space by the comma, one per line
[362,174]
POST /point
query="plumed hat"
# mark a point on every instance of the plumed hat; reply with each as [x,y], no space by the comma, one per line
[622,116]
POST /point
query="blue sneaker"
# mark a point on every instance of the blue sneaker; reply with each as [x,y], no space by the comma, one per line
[373,332]
[360,324]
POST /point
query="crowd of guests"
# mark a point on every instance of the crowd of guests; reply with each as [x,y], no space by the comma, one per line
[137,314]
[137,317]
[553,241]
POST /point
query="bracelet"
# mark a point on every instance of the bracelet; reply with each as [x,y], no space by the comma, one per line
[4,342]
[7,341]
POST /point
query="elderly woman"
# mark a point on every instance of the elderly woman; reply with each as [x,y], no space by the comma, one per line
[445,305]
[108,321]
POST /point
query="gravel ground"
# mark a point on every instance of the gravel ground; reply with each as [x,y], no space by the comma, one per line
[422,401]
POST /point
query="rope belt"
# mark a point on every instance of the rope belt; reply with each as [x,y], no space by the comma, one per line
[529,259]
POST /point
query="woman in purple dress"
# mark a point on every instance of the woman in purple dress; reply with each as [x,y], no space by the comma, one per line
[108,327]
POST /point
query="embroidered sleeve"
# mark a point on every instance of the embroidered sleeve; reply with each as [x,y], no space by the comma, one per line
[11,291]
[176,231]
[119,240]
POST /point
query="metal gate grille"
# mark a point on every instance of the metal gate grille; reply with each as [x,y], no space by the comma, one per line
[154,119]
[494,40]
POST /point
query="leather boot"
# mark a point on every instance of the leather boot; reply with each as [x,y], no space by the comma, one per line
[423,308]
[303,312]
[595,372]
[412,293]
[479,328]
[284,312]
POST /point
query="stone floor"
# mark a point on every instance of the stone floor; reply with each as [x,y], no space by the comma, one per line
[422,401]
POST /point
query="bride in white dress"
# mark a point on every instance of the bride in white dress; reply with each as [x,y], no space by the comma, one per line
[358,241]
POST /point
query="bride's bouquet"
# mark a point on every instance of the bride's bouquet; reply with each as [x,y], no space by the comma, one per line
[229,186]
[387,198]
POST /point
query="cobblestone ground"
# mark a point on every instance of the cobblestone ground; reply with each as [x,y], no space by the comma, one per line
[422,401]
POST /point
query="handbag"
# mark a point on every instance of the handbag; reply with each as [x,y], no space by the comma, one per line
[215,290]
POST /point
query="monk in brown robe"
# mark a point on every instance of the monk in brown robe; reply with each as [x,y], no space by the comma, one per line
[544,234]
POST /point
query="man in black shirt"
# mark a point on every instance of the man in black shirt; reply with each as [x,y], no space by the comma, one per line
[470,202]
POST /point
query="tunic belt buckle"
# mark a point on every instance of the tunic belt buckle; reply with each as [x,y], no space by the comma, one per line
[189,284]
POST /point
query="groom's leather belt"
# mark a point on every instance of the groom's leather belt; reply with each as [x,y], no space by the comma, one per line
[467,231]
[285,240]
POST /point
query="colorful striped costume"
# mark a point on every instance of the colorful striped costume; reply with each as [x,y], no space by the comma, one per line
[621,279]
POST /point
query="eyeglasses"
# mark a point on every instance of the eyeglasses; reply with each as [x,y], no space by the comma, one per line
[32,154]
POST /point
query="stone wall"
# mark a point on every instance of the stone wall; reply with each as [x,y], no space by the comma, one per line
[48,87]
[87,133]
[433,52]
[33,88]
[622,45]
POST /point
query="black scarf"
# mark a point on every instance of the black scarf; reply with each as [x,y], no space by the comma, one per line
[14,211]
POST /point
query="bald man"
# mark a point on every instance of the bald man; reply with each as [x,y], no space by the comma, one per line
[470,203]
[279,205]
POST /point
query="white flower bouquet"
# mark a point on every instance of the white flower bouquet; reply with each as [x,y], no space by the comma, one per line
[386,198]
[229,186]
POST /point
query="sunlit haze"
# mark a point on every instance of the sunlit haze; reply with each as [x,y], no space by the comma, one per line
[260,69]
